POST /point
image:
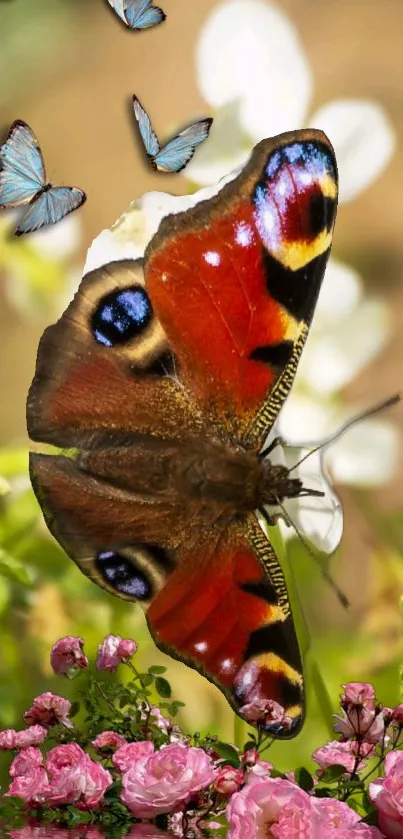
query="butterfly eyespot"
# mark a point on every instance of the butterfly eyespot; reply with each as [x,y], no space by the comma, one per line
[121,316]
[121,575]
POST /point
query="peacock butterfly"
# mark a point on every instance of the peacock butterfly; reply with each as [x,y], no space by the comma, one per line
[163,377]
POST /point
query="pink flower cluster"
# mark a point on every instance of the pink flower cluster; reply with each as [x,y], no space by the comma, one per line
[278,808]
[69,776]
[113,651]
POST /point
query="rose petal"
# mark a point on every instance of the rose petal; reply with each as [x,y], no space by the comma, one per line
[363,138]
[249,49]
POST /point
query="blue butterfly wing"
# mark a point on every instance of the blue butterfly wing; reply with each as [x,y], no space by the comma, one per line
[176,154]
[22,172]
[141,14]
[118,6]
[148,136]
[50,207]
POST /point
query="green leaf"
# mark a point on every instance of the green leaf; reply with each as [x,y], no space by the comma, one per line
[323,698]
[304,779]
[163,687]
[333,773]
[75,707]
[155,669]
[224,750]
[13,569]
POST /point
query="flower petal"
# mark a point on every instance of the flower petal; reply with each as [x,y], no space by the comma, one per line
[249,49]
[336,356]
[366,456]
[226,147]
[340,293]
[363,138]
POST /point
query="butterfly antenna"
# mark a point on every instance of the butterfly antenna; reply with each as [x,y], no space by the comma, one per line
[370,412]
[324,572]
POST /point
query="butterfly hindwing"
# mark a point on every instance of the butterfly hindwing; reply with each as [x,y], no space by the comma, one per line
[50,207]
[22,172]
[175,155]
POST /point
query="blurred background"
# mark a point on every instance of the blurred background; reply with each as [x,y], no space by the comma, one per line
[68,68]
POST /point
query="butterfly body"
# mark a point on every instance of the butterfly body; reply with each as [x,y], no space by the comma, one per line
[164,377]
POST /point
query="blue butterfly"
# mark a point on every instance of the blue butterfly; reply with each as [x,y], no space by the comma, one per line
[23,181]
[138,14]
[175,155]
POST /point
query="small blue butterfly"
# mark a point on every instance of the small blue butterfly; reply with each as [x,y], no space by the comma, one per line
[175,155]
[138,14]
[23,181]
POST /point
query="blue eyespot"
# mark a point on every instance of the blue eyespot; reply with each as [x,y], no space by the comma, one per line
[123,575]
[121,316]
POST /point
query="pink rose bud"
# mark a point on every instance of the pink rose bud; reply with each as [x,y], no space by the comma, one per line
[398,714]
[7,739]
[359,694]
[362,723]
[67,656]
[32,736]
[49,709]
[228,780]
[113,651]
[109,740]
[250,757]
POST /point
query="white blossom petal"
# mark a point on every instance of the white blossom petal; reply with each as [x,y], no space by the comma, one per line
[58,241]
[340,293]
[367,455]
[304,418]
[363,139]
[131,233]
[333,358]
[249,50]
[225,150]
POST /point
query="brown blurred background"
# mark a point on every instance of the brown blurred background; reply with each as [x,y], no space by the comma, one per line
[68,68]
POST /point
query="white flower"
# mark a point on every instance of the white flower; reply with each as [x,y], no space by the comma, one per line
[252,70]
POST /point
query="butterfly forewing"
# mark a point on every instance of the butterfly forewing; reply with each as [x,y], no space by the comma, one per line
[22,172]
[50,207]
[166,392]
[148,135]
[141,14]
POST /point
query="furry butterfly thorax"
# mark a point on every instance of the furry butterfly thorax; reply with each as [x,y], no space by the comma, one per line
[163,378]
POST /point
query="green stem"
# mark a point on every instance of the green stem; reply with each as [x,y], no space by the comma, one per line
[239,732]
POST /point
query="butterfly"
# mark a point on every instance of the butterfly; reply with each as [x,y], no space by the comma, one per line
[138,14]
[23,182]
[163,377]
[177,152]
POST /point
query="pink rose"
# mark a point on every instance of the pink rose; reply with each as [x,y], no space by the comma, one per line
[250,757]
[358,694]
[387,795]
[343,754]
[7,739]
[26,760]
[260,769]
[32,787]
[109,740]
[32,736]
[131,754]
[157,717]
[49,709]
[67,656]
[75,778]
[398,714]
[228,780]
[361,722]
[254,810]
[167,780]
[113,650]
